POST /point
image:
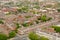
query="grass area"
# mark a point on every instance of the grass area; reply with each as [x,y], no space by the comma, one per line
[34,36]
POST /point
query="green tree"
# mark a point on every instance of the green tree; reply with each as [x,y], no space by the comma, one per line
[17,25]
[23,9]
[1,22]
[48,6]
[37,21]
[12,34]
[49,18]
[25,24]
[43,18]
[58,10]
[37,7]
[3,37]
[56,28]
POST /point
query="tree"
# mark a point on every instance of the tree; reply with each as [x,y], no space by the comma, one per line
[43,18]
[49,18]
[56,28]
[37,21]
[3,37]
[23,9]
[17,25]
[12,34]
[37,7]
[1,22]
[48,6]
[25,24]
[58,10]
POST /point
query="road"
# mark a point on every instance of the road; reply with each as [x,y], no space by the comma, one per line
[27,30]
